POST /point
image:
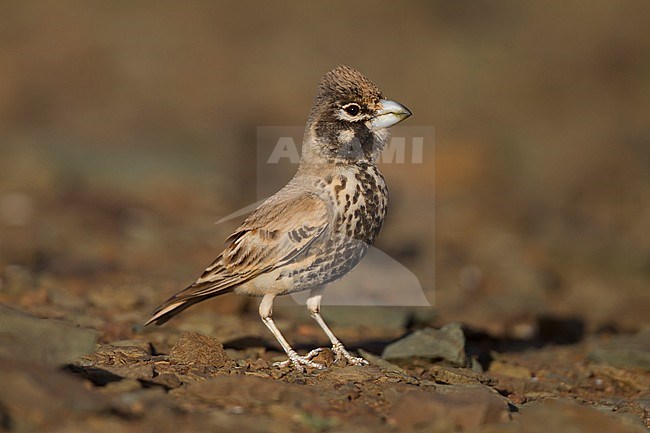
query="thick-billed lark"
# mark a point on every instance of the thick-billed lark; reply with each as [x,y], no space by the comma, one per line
[321,224]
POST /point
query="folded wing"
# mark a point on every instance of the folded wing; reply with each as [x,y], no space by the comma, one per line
[271,237]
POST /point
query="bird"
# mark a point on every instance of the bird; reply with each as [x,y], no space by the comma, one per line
[321,224]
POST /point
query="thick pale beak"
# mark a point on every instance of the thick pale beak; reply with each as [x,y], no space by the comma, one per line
[390,113]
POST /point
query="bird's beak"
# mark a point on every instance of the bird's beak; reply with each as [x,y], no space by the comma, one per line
[390,113]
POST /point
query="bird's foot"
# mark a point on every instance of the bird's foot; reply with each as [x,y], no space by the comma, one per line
[340,352]
[300,362]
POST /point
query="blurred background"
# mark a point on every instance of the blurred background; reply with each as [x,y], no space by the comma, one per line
[128,128]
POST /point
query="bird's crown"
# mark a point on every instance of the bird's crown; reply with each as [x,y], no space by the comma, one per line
[343,84]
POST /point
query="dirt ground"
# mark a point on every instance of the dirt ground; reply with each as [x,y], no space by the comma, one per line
[127,131]
[173,378]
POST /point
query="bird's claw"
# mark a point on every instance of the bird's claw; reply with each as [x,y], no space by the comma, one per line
[341,352]
[300,362]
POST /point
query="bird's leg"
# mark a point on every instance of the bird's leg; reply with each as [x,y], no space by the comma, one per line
[266,313]
[313,305]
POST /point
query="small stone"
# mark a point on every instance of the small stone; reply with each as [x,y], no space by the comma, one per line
[326,357]
[121,386]
[167,380]
[354,373]
[450,408]
[108,354]
[455,375]
[140,344]
[446,344]
[258,374]
[198,349]
[133,371]
[44,341]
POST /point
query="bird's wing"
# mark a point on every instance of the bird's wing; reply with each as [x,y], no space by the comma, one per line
[271,237]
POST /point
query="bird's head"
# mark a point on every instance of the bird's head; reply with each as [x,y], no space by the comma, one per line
[349,120]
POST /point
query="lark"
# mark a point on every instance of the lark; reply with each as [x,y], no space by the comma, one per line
[321,224]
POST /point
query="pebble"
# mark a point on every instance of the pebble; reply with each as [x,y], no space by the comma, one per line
[445,344]
[449,408]
[198,349]
[44,341]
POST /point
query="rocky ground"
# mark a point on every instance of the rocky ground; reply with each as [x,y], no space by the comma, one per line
[113,375]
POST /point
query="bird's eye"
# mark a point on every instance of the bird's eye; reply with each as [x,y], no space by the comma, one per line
[352,109]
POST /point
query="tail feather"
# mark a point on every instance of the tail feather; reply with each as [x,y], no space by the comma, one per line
[181,301]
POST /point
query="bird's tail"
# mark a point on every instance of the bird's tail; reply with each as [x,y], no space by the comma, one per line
[182,300]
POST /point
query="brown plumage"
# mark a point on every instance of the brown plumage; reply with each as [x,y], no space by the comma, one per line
[322,223]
